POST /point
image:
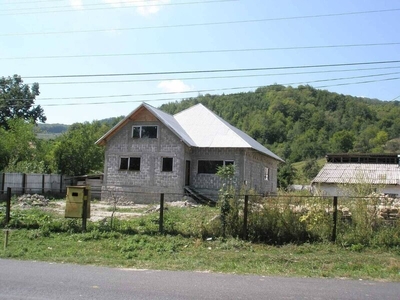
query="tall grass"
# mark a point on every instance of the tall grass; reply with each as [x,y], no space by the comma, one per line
[287,219]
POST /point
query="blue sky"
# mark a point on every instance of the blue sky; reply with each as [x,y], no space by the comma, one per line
[128,37]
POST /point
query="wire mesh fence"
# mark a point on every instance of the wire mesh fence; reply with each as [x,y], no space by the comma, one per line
[274,219]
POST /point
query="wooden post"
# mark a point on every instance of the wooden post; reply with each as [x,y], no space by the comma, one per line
[23,183]
[334,219]
[43,176]
[8,206]
[3,178]
[84,215]
[161,221]
[6,233]
[61,183]
[245,214]
[84,209]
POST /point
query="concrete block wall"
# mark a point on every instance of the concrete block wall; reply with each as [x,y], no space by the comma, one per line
[138,186]
[212,181]
[249,165]
[254,172]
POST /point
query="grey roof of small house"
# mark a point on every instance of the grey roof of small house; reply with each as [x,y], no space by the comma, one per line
[387,174]
[197,126]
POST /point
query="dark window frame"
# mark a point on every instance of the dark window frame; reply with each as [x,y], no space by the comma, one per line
[211,166]
[145,131]
[167,164]
[130,163]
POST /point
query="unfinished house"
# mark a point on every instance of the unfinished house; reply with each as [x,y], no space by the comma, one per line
[151,152]
[378,173]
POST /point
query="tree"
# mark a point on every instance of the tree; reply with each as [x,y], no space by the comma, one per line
[75,152]
[342,141]
[17,144]
[310,168]
[286,175]
[17,101]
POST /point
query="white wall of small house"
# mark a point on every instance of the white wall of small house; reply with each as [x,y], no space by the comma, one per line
[330,189]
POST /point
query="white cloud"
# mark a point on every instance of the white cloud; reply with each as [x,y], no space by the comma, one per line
[143,7]
[77,4]
[173,86]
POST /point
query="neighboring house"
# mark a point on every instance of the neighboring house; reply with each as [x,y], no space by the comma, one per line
[151,152]
[376,172]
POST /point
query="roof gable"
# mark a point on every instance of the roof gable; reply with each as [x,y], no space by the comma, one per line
[147,112]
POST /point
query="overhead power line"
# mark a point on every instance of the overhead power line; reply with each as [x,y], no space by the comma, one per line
[216,77]
[198,91]
[359,82]
[105,7]
[210,71]
[209,90]
[206,24]
[200,51]
[178,98]
[31,2]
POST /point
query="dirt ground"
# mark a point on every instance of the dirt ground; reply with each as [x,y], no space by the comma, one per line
[99,210]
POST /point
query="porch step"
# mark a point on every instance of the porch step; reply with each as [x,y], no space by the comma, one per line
[199,197]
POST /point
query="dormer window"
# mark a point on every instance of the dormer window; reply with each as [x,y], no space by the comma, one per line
[144,132]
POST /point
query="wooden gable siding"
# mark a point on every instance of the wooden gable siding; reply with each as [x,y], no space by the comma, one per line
[143,115]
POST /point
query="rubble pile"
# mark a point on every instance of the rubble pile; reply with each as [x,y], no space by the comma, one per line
[28,200]
[389,209]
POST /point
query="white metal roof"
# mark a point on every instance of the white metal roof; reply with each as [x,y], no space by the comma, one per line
[359,173]
[209,130]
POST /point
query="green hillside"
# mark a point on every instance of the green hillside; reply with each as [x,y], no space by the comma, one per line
[303,123]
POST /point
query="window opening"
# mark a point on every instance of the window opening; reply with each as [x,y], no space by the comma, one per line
[144,132]
[167,163]
[211,166]
[130,163]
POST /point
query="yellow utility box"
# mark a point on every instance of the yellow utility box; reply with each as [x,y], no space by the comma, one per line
[77,197]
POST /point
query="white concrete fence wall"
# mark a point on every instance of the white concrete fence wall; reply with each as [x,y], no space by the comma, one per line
[21,183]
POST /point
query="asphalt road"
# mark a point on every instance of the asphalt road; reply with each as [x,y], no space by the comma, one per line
[41,280]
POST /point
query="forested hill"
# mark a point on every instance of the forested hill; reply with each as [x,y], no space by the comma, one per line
[306,123]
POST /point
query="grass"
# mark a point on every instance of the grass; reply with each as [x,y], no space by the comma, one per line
[170,252]
[190,242]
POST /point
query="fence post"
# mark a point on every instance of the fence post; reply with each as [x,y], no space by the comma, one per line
[8,206]
[84,215]
[23,183]
[245,214]
[3,178]
[43,176]
[161,222]
[334,219]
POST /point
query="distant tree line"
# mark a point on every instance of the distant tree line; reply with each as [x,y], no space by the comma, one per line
[305,123]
